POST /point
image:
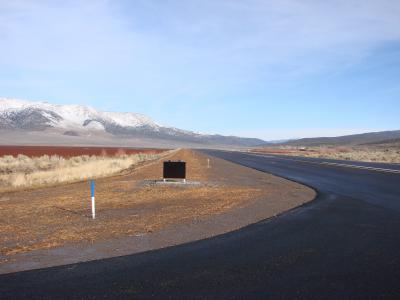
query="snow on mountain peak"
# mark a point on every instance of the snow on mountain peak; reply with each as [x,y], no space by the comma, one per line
[75,116]
[80,120]
[130,119]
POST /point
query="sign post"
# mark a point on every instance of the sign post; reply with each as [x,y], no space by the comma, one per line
[92,195]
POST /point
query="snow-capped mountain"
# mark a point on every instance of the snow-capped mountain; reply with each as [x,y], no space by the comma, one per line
[79,120]
[67,116]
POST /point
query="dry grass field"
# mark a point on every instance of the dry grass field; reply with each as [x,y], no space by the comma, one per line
[23,171]
[388,154]
[131,204]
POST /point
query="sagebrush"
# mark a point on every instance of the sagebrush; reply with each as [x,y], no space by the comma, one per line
[24,171]
[357,154]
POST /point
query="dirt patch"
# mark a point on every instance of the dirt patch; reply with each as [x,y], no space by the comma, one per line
[34,151]
[127,206]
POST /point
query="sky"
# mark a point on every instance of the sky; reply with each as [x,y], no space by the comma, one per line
[267,69]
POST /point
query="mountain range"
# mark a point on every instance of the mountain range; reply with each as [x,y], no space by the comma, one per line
[27,122]
[86,123]
[378,137]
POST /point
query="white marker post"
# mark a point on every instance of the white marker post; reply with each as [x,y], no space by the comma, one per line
[93,203]
[208,163]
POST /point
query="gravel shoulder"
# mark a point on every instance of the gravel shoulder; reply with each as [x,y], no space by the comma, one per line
[52,226]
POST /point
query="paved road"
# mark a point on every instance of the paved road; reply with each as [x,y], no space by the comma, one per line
[343,245]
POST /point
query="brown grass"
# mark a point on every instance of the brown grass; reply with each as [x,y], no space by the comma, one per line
[359,153]
[69,223]
[23,171]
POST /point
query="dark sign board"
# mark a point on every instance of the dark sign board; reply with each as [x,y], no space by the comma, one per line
[174,169]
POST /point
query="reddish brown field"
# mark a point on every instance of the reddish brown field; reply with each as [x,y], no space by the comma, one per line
[64,151]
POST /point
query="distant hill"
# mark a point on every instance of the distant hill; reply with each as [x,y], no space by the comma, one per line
[354,139]
[385,142]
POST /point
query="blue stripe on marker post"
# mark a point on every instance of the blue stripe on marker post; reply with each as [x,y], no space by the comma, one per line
[93,202]
[92,188]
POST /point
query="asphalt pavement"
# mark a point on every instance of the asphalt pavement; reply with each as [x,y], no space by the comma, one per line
[345,244]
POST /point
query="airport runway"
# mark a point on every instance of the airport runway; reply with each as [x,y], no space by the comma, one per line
[343,245]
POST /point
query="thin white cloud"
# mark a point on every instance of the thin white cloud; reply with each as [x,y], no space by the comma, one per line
[285,35]
[288,35]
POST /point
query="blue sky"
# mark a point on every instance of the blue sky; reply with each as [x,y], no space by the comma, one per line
[267,69]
